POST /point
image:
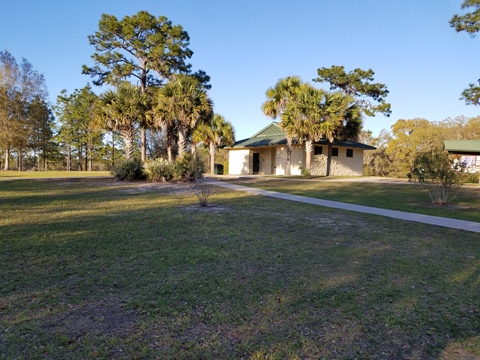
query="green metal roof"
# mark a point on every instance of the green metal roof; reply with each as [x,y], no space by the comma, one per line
[273,129]
[462,146]
[273,135]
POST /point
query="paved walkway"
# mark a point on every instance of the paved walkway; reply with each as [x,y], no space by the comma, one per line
[426,219]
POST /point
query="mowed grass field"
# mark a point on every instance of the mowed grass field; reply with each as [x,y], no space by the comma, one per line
[93,268]
[394,194]
[6,175]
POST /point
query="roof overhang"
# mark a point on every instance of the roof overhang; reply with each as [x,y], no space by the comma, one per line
[462,147]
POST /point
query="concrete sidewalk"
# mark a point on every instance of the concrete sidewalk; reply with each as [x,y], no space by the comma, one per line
[425,219]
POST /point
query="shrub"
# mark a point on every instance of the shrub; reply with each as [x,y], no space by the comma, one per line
[202,191]
[158,170]
[188,168]
[131,169]
[472,178]
[305,173]
[434,170]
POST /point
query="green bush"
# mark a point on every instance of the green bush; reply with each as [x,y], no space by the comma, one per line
[305,173]
[185,168]
[470,178]
[131,169]
[434,170]
[188,168]
[158,170]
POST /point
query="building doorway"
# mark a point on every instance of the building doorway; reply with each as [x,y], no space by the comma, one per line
[256,163]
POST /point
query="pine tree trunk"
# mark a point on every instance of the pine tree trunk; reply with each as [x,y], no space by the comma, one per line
[80,158]
[7,159]
[44,158]
[19,160]
[69,158]
[90,156]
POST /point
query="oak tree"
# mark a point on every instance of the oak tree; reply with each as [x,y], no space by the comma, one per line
[20,84]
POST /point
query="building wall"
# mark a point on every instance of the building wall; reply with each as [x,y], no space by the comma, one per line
[273,161]
[266,161]
[298,160]
[280,160]
[341,165]
[239,162]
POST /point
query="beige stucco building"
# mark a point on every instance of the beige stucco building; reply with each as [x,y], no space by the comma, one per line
[265,154]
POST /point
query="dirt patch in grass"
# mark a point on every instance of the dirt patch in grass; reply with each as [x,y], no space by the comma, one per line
[108,317]
[431,205]
[206,209]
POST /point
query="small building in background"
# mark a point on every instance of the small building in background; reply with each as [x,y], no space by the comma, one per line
[469,151]
[265,153]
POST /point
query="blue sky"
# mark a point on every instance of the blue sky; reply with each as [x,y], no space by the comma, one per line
[247,45]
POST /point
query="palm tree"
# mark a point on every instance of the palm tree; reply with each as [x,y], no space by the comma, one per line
[121,111]
[181,105]
[307,118]
[215,133]
[278,98]
[314,114]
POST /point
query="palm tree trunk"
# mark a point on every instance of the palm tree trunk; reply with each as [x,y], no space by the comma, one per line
[182,142]
[329,158]
[289,156]
[169,152]
[128,141]
[308,157]
[193,148]
[144,144]
[213,150]
[113,149]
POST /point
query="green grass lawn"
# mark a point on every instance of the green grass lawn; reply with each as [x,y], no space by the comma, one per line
[93,268]
[5,175]
[402,196]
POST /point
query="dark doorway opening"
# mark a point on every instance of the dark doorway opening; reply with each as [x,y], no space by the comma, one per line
[256,163]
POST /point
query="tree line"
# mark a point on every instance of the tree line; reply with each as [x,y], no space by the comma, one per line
[406,140]
[153,94]
[157,105]
[409,139]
